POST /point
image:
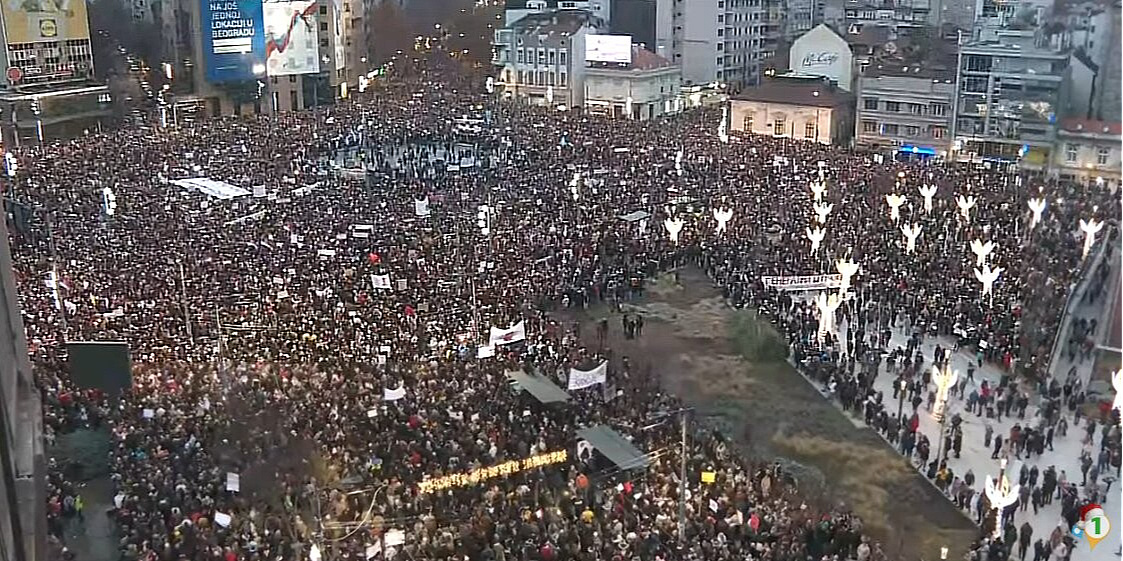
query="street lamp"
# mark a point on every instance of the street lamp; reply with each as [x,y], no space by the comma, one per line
[901,398]
[1001,494]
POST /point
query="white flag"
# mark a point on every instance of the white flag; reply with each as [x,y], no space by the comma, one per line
[421,207]
[579,379]
[512,334]
[381,281]
[222,519]
[233,482]
[485,351]
[393,395]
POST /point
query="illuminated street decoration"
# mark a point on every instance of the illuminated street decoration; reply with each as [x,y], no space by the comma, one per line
[722,135]
[911,233]
[1037,207]
[928,192]
[1090,228]
[818,189]
[1117,383]
[1000,494]
[678,162]
[945,379]
[723,216]
[981,251]
[822,210]
[965,204]
[816,236]
[895,201]
[987,276]
[827,305]
[674,226]
[847,269]
[481,475]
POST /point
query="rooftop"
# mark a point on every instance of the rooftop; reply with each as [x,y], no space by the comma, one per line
[1092,126]
[812,93]
[937,72]
[553,22]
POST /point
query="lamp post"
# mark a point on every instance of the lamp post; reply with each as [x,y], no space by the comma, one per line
[1000,494]
[901,398]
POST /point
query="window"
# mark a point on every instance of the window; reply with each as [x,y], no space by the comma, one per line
[323,26]
[778,127]
[938,109]
[521,56]
[870,103]
[1101,156]
[891,130]
[912,130]
[916,108]
[893,106]
[937,132]
[323,9]
[747,123]
[1070,152]
[562,81]
[869,126]
[553,57]
[542,56]
[561,58]
[809,130]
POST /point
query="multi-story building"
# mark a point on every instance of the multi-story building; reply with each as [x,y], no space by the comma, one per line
[904,13]
[1010,91]
[48,89]
[906,108]
[541,56]
[645,88]
[1089,150]
[310,50]
[807,109]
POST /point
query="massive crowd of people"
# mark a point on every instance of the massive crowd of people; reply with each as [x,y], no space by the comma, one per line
[263,343]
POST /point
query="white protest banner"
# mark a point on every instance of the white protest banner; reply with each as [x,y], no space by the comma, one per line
[507,336]
[259,191]
[222,519]
[393,395]
[807,282]
[421,207]
[372,413]
[485,351]
[381,281]
[395,537]
[325,253]
[233,482]
[148,413]
[373,550]
[579,379]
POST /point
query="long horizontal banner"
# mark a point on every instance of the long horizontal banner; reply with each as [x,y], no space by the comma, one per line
[480,475]
[808,282]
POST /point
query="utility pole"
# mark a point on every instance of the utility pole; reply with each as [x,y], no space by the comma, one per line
[186,309]
[682,484]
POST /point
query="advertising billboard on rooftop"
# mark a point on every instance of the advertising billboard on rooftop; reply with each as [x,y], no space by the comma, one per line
[233,40]
[608,48]
[292,43]
[33,21]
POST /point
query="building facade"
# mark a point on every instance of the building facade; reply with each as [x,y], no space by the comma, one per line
[541,56]
[645,89]
[48,90]
[810,110]
[825,54]
[906,109]
[1088,150]
[1010,91]
[334,57]
[726,41]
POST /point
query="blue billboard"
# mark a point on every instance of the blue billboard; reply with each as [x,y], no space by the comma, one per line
[233,40]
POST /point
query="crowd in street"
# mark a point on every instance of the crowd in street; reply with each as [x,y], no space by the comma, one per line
[264,343]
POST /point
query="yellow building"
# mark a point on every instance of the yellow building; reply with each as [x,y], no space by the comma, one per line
[810,110]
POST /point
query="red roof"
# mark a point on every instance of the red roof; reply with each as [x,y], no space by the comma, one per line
[1092,126]
[643,59]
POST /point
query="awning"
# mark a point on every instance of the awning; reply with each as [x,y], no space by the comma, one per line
[542,389]
[615,447]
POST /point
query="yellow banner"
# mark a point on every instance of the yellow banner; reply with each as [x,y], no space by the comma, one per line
[34,21]
[480,475]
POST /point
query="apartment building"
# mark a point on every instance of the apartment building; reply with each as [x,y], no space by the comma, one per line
[1088,149]
[906,109]
[541,56]
[1010,91]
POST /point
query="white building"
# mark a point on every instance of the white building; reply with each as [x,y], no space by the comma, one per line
[823,53]
[644,89]
[1089,150]
[811,110]
[727,41]
[541,56]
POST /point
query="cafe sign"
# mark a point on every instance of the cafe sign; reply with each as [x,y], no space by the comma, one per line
[822,59]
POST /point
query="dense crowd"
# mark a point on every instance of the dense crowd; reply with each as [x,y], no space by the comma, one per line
[263,345]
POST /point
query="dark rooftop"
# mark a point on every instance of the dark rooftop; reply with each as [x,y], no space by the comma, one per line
[813,93]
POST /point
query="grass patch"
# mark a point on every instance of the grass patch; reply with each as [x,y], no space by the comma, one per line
[755,338]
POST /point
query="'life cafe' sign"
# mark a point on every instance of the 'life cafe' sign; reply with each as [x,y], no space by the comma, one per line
[480,475]
[819,60]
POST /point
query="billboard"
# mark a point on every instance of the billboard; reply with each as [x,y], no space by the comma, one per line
[233,40]
[33,21]
[292,44]
[337,28]
[608,48]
